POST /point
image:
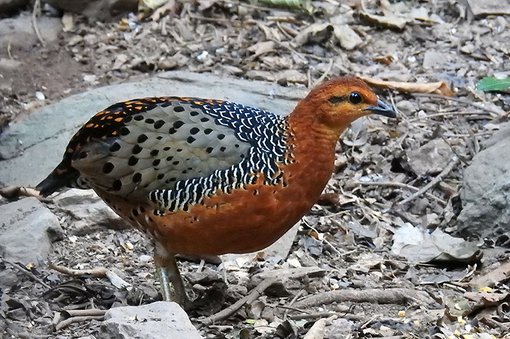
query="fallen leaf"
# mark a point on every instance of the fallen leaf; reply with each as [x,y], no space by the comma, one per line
[493,84]
[439,87]
[419,246]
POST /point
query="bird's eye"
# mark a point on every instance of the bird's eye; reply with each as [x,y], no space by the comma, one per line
[355,98]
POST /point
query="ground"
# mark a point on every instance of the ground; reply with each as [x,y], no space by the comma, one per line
[348,239]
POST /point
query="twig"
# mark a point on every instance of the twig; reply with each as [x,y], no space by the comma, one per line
[14,192]
[435,115]
[307,316]
[227,312]
[325,74]
[432,183]
[461,100]
[388,296]
[25,271]
[400,185]
[69,321]
[98,272]
[35,11]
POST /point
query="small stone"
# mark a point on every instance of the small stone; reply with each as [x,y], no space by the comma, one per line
[157,320]
[27,230]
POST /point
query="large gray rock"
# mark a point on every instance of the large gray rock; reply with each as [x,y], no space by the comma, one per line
[34,146]
[87,211]
[486,189]
[19,32]
[96,9]
[27,229]
[159,320]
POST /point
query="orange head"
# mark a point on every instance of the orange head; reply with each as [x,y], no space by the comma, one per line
[334,104]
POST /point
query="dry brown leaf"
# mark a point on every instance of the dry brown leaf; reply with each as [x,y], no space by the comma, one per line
[502,273]
[388,21]
[439,87]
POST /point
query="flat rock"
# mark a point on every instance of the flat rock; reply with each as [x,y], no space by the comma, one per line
[87,211]
[27,229]
[18,31]
[431,158]
[158,320]
[31,152]
[489,7]
[485,190]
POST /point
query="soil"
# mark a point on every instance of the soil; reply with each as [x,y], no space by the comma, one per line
[348,234]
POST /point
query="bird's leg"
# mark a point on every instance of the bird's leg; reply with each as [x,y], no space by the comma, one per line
[168,273]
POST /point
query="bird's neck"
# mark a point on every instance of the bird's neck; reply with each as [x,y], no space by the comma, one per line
[313,151]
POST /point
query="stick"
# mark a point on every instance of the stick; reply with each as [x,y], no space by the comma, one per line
[461,100]
[27,272]
[389,296]
[433,183]
[227,312]
[400,185]
[71,320]
[37,7]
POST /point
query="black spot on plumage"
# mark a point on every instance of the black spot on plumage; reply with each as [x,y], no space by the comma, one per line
[223,148]
[138,117]
[178,109]
[149,121]
[178,124]
[117,185]
[159,137]
[124,130]
[154,152]
[194,130]
[108,167]
[158,124]
[161,176]
[204,119]
[179,150]
[137,177]
[171,131]
[221,136]
[135,212]
[115,147]
[127,119]
[141,138]
[169,158]
[175,163]
[190,139]
[208,131]
[132,160]
[194,113]
[136,149]
[209,149]
[156,162]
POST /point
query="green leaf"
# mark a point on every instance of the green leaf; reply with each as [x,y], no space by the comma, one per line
[489,84]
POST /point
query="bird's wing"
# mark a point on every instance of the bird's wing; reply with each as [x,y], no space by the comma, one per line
[137,146]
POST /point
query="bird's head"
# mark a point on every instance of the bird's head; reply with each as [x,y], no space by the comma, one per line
[338,102]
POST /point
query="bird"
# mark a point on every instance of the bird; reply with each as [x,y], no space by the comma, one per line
[207,176]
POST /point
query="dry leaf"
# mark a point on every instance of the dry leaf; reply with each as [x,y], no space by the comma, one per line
[439,87]
[387,21]
[346,36]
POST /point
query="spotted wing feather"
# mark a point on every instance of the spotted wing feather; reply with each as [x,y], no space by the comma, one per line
[135,147]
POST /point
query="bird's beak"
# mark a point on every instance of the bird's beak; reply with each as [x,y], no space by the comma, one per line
[382,108]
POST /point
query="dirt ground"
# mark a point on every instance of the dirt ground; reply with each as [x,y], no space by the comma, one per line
[345,242]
